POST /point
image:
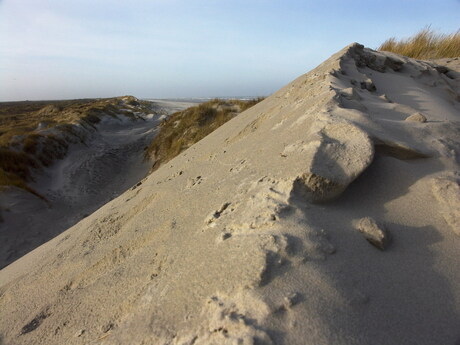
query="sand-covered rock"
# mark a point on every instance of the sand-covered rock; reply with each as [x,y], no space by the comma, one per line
[416,117]
[374,233]
[341,152]
[447,192]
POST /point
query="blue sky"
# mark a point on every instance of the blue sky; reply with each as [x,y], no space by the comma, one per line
[60,49]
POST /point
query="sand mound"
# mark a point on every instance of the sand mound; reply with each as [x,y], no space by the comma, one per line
[249,236]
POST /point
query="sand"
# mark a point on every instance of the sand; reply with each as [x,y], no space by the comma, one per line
[106,164]
[254,235]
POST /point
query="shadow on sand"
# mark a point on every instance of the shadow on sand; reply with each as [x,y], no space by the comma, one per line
[399,296]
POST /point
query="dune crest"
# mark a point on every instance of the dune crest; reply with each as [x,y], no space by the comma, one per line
[249,236]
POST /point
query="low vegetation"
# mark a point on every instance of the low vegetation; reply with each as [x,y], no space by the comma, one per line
[425,45]
[32,133]
[184,128]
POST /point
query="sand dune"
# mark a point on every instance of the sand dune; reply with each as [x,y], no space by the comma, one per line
[108,162]
[318,216]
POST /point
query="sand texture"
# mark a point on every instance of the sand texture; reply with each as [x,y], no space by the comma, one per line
[268,230]
[107,161]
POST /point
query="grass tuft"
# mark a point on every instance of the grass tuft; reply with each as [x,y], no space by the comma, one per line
[425,45]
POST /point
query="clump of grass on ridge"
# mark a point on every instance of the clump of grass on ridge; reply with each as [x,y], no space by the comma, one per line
[184,128]
[426,44]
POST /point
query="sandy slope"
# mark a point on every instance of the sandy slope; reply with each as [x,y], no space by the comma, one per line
[90,175]
[250,236]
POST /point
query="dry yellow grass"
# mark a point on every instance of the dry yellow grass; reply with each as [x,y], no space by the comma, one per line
[21,118]
[184,128]
[23,148]
[425,45]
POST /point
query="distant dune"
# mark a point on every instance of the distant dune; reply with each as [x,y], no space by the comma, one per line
[34,134]
[328,213]
[62,160]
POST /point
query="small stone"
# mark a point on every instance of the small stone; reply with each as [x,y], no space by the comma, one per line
[79,333]
[291,300]
[226,236]
[368,85]
[108,327]
[374,233]
[416,117]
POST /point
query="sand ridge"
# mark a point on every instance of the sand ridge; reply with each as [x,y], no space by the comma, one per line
[102,161]
[250,235]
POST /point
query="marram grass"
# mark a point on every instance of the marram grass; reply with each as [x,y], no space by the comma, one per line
[424,45]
